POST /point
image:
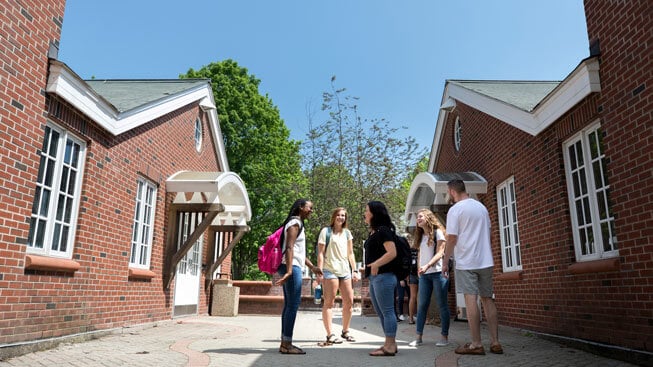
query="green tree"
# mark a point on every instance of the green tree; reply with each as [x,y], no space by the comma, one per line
[260,150]
[350,160]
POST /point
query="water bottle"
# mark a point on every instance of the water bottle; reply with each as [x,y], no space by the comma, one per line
[318,294]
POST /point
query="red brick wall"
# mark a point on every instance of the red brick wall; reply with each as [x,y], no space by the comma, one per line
[39,304]
[614,307]
[623,31]
[27,28]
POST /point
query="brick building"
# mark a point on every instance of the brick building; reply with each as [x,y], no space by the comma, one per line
[566,171]
[117,206]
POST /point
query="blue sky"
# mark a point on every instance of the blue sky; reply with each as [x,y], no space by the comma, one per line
[395,56]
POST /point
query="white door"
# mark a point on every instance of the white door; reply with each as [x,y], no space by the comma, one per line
[187,278]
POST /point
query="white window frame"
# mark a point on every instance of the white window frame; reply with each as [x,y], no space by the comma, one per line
[509,226]
[457,134]
[49,213]
[590,197]
[143,225]
[198,134]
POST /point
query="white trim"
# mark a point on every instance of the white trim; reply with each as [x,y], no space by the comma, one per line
[63,82]
[226,188]
[50,217]
[512,222]
[595,220]
[583,81]
[439,189]
[138,224]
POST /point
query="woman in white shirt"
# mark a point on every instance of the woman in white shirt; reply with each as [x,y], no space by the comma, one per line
[430,238]
[290,271]
[335,256]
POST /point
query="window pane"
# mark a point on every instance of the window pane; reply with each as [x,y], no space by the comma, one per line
[54,144]
[75,161]
[32,228]
[46,140]
[64,239]
[45,203]
[49,173]
[64,179]
[69,210]
[55,237]
[598,174]
[42,167]
[72,182]
[40,234]
[61,206]
[583,241]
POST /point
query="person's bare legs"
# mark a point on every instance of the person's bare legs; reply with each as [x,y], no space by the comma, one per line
[412,303]
[474,320]
[347,295]
[492,319]
[329,287]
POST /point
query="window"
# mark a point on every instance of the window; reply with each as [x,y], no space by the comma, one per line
[457,134]
[189,264]
[142,230]
[198,134]
[57,197]
[508,226]
[588,190]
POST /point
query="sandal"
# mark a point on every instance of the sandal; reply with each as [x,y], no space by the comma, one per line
[381,352]
[332,339]
[345,335]
[467,349]
[284,349]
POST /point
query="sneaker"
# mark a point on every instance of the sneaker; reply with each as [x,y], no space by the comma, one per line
[415,343]
[402,317]
[442,343]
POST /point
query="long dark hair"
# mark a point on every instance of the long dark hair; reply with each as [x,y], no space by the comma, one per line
[380,216]
[294,210]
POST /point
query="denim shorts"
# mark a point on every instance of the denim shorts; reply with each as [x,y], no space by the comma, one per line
[413,279]
[330,275]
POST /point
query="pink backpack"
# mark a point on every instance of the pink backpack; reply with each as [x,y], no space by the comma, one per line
[270,253]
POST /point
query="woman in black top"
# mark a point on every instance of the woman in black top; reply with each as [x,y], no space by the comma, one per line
[380,250]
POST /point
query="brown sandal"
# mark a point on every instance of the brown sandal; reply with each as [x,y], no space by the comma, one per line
[467,349]
[291,350]
[381,352]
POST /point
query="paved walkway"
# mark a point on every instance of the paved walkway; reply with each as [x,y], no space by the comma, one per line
[253,341]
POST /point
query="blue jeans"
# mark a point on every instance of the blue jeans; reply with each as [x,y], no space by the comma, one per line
[427,284]
[292,297]
[382,294]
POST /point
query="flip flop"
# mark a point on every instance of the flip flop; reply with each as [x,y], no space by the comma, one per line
[383,353]
[291,350]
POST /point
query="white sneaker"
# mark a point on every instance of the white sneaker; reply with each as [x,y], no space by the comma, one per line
[415,343]
[442,343]
[402,317]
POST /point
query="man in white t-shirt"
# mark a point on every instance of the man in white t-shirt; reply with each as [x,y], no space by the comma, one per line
[468,237]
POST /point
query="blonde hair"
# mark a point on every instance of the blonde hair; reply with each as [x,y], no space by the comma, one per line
[432,223]
[334,214]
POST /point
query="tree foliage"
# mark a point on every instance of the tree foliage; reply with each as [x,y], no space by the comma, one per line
[259,150]
[350,160]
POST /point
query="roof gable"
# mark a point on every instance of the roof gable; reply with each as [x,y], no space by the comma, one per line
[522,104]
[122,105]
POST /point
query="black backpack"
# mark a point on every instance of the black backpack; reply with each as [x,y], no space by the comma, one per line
[401,263]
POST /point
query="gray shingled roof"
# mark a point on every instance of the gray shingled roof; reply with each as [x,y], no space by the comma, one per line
[525,95]
[125,95]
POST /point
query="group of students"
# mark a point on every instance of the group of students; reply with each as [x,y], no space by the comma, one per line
[335,269]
